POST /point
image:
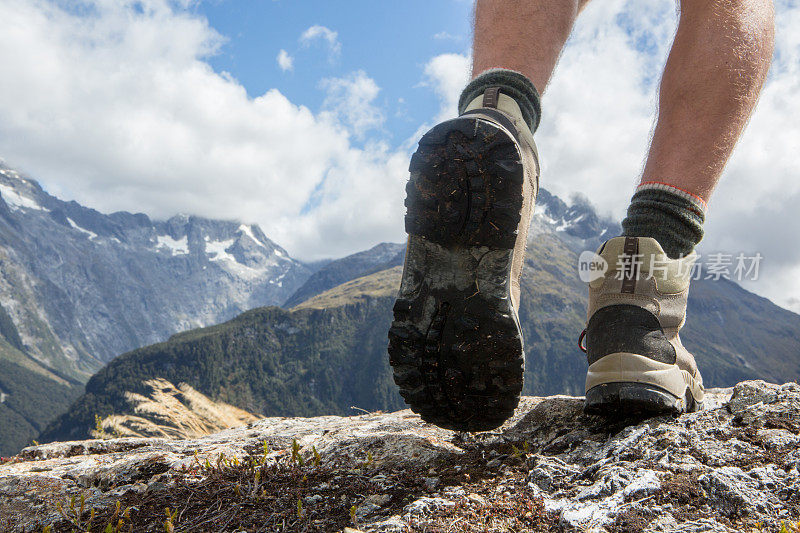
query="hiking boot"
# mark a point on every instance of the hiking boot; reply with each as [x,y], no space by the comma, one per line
[455,343]
[637,364]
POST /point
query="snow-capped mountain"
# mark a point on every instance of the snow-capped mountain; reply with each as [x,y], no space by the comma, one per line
[80,287]
[577,224]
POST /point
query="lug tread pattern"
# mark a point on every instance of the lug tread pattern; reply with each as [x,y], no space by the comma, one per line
[463,374]
[465,185]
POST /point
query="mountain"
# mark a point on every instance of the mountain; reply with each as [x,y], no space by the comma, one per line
[384,255]
[78,287]
[577,225]
[328,354]
[268,361]
[30,397]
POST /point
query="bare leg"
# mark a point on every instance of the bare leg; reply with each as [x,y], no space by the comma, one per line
[711,83]
[522,35]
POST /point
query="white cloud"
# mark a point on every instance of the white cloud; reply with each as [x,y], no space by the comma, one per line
[285,61]
[118,109]
[330,37]
[447,74]
[350,101]
[445,36]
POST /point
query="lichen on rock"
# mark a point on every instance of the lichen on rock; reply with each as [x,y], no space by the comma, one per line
[732,467]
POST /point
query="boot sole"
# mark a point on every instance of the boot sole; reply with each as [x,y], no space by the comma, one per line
[455,344]
[628,384]
[637,400]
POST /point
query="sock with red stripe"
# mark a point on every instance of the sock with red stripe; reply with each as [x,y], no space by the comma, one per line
[670,215]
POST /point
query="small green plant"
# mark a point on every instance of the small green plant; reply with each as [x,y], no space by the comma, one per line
[74,512]
[296,457]
[521,452]
[299,508]
[119,517]
[256,483]
[790,527]
[317,458]
[353,514]
[169,523]
[99,432]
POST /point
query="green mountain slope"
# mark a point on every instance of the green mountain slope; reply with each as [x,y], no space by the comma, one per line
[329,353]
[338,271]
[267,361]
[30,397]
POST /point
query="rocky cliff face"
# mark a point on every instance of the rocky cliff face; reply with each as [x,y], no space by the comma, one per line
[733,467]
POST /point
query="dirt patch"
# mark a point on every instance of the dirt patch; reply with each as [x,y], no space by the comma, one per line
[683,491]
[632,521]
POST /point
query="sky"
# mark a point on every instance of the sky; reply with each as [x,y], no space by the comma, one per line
[301,116]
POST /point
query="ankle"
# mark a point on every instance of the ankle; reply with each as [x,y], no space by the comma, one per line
[512,84]
[670,215]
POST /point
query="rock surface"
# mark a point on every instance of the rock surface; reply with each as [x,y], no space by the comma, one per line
[732,467]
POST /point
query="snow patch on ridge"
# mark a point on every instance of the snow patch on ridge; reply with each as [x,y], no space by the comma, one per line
[217,249]
[247,230]
[72,223]
[176,246]
[16,201]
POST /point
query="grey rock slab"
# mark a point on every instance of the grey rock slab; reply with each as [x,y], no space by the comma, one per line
[737,464]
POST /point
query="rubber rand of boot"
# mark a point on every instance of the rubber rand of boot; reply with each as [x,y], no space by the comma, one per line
[455,344]
[637,400]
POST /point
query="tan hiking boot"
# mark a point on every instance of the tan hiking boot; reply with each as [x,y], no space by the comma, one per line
[637,364]
[455,343]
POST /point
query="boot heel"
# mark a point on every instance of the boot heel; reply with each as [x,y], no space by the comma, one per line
[627,399]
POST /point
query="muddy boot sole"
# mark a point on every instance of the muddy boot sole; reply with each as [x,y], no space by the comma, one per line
[455,344]
[636,400]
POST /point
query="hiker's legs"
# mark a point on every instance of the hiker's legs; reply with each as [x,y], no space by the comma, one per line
[522,35]
[469,202]
[711,83]
[715,71]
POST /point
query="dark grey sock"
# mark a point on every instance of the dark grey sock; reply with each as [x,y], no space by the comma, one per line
[672,217]
[512,84]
